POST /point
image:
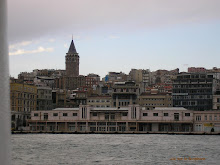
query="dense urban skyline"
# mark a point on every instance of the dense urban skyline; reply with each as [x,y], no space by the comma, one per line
[145,35]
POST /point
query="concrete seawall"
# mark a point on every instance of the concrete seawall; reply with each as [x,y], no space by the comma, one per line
[125,132]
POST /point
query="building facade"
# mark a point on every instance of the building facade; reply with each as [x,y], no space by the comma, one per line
[154,98]
[207,121]
[23,100]
[216,101]
[103,101]
[124,93]
[44,98]
[72,83]
[126,119]
[130,119]
[194,90]
[23,97]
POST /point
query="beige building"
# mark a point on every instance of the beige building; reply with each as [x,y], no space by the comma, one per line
[154,98]
[23,97]
[207,121]
[23,100]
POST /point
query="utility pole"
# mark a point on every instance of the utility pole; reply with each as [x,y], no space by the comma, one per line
[5,115]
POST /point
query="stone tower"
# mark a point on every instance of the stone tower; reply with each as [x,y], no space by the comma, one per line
[72,62]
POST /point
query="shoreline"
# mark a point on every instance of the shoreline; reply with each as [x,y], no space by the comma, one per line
[126,132]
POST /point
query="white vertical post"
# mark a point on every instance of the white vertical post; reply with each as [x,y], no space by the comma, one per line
[5,116]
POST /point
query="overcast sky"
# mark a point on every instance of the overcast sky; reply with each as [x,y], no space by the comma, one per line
[114,35]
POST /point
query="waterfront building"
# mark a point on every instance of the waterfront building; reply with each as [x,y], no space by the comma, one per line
[154,98]
[195,90]
[23,100]
[19,120]
[207,121]
[125,119]
[130,119]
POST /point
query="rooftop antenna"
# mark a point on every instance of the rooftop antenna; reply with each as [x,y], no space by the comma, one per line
[72,36]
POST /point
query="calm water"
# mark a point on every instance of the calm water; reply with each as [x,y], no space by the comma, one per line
[52,149]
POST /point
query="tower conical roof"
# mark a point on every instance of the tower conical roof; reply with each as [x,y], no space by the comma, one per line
[72,48]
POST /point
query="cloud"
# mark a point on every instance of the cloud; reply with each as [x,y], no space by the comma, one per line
[65,45]
[51,40]
[38,50]
[30,19]
[113,37]
[17,45]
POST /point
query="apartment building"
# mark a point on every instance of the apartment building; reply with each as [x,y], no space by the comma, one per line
[23,97]
[154,98]
[23,100]
[195,91]
[44,98]
[124,93]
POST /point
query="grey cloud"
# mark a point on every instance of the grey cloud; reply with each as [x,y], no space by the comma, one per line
[29,19]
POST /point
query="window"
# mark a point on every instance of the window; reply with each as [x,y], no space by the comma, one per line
[215,118]
[198,118]
[205,117]
[124,114]
[165,114]
[35,114]
[176,116]
[94,114]
[112,116]
[106,116]
[65,114]
[187,114]
[45,116]
[155,114]
[55,114]
[210,117]
[74,114]
[145,114]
